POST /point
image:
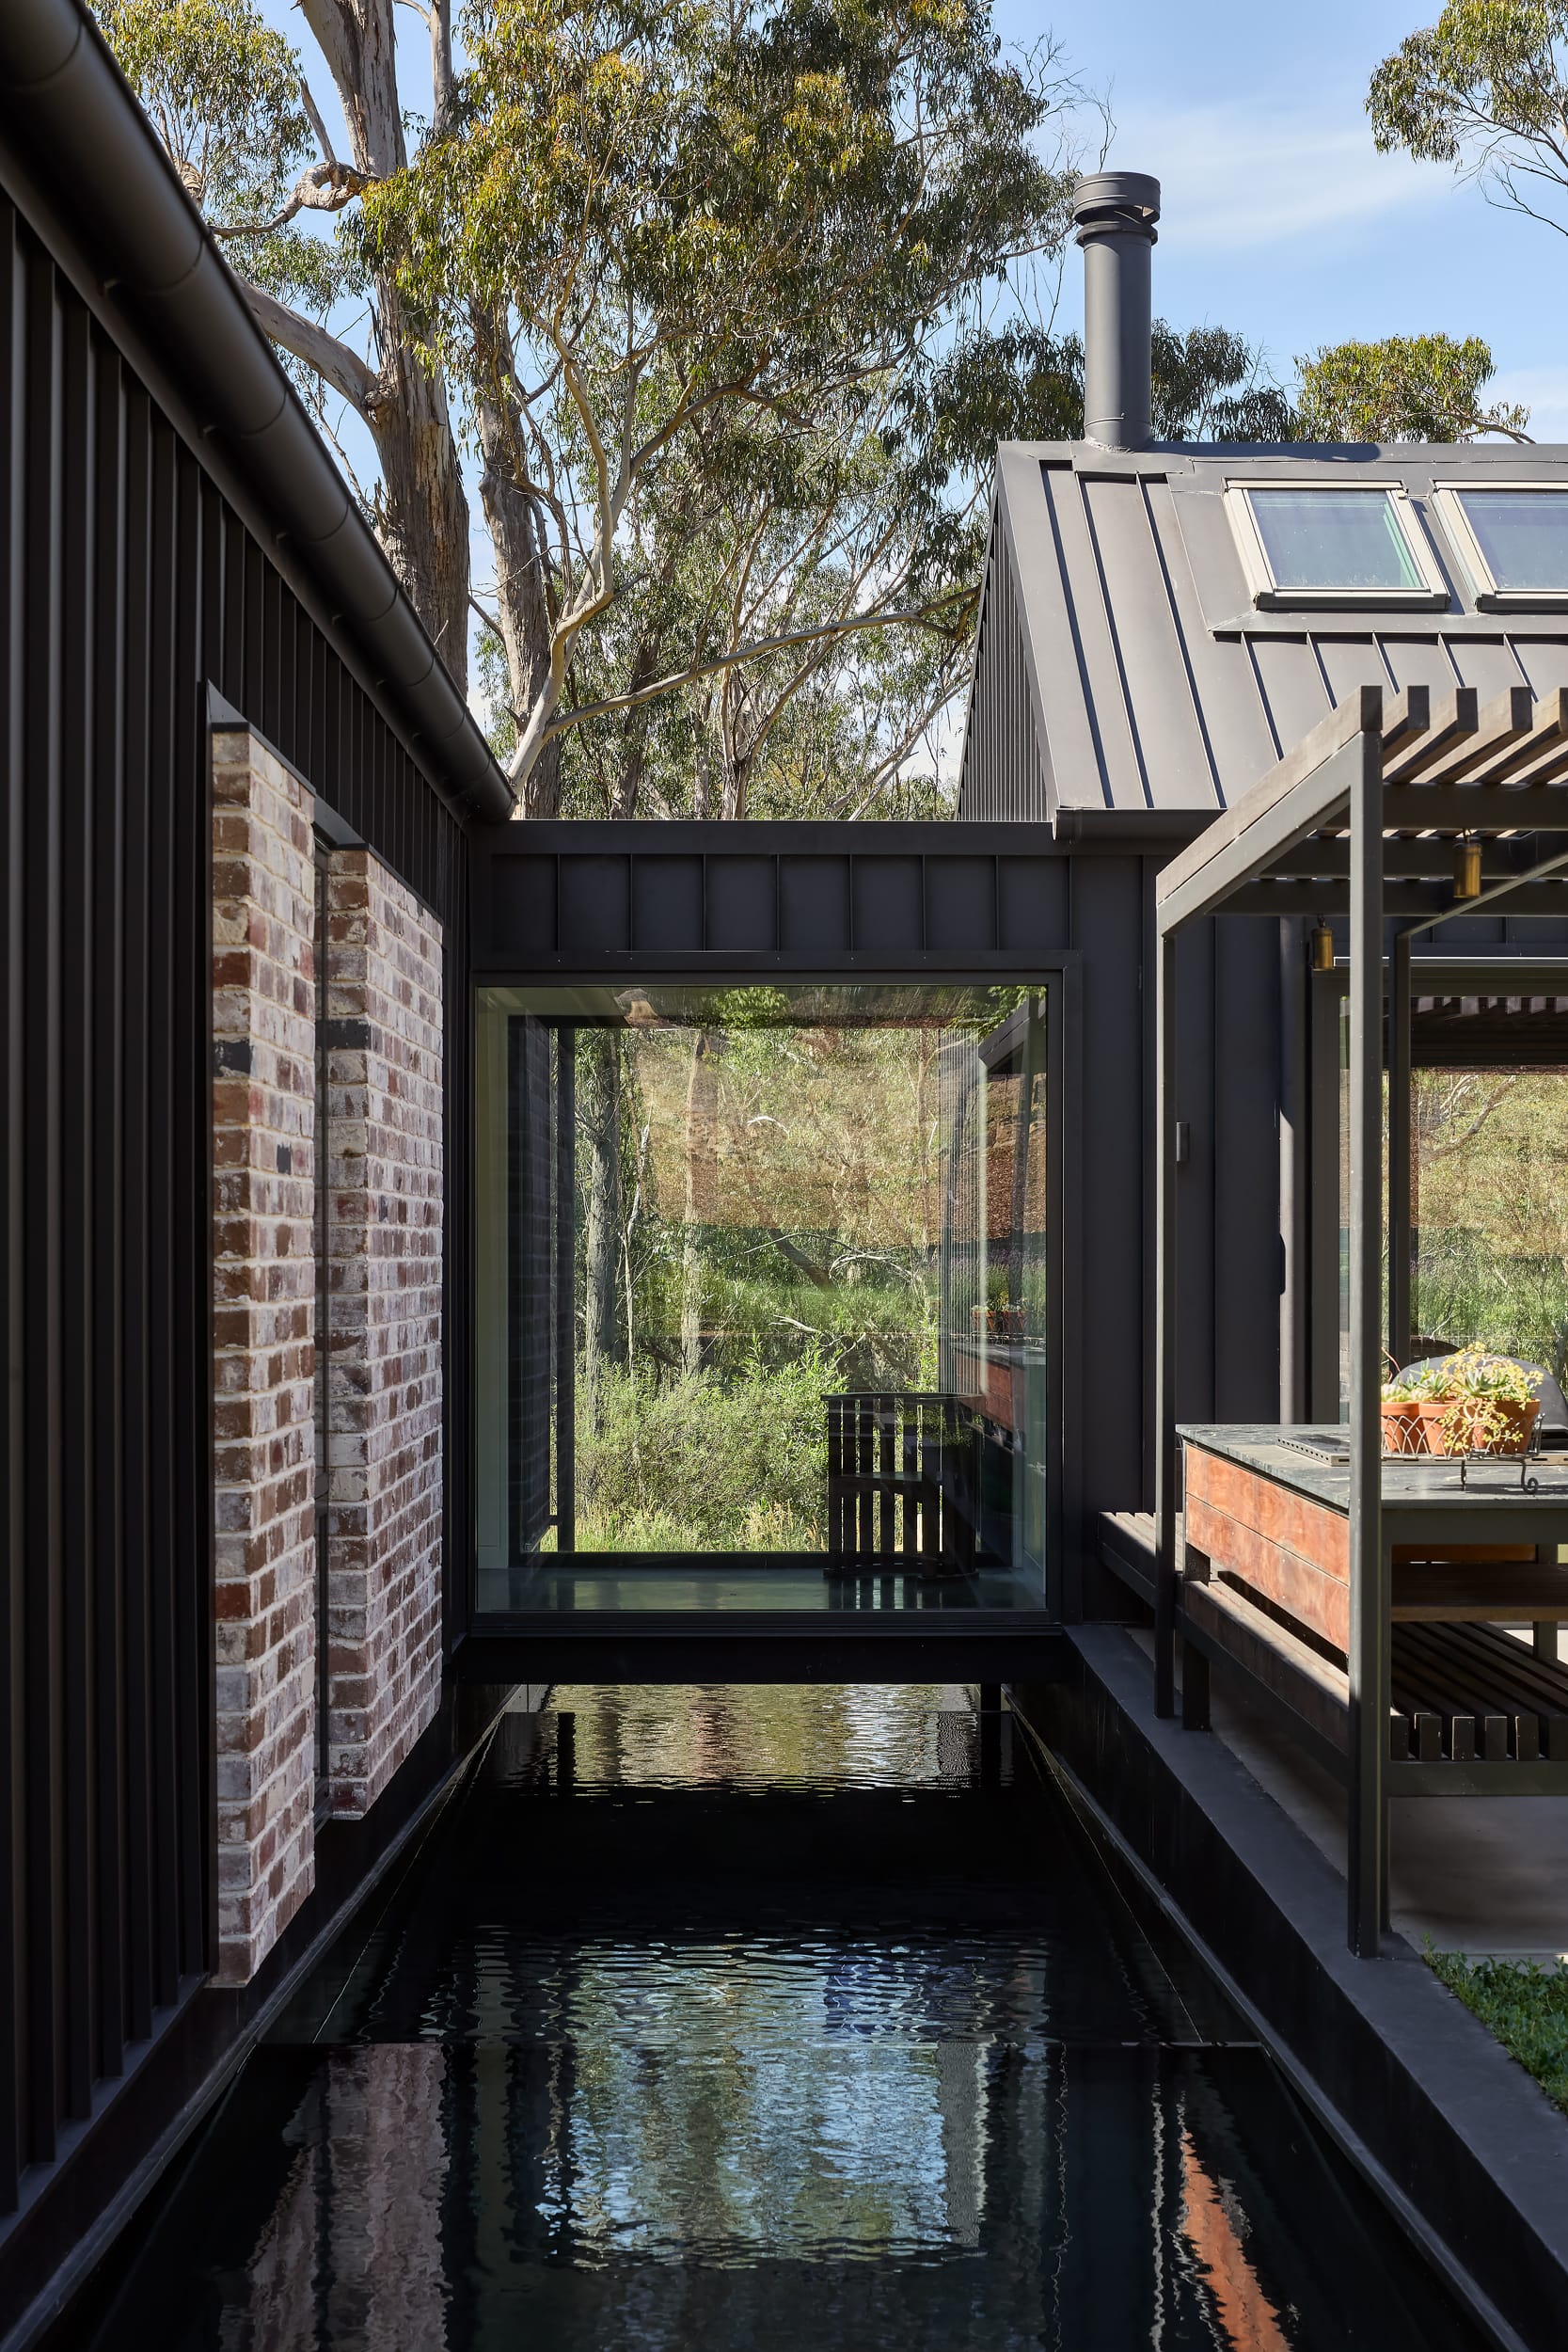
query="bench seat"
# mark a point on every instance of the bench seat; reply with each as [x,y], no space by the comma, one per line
[1463,1692]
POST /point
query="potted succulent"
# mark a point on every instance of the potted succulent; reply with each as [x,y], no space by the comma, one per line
[1401,1425]
[1491,1405]
[996,1318]
[1471,1403]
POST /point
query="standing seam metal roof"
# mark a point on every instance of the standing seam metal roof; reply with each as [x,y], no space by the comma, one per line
[1117,630]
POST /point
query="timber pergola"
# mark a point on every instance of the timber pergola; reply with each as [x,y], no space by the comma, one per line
[1378,813]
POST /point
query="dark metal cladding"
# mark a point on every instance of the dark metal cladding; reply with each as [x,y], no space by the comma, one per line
[133,593]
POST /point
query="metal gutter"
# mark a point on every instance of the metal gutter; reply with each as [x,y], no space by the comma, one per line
[149,267]
[1143,832]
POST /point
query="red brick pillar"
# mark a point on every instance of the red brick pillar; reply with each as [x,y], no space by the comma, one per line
[264,1276]
[384,1473]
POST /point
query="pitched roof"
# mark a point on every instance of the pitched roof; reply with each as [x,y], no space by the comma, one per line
[1121,663]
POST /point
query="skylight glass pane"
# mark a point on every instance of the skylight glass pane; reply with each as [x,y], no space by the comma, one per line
[1333,539]
[1523,535]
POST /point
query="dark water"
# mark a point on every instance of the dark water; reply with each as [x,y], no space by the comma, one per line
[763,2019]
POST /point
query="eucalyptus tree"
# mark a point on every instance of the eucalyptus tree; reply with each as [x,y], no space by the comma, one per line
[228,95]
[1485,89]
[646,226]
[1407,387]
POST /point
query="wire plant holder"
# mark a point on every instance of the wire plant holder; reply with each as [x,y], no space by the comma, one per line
[1491,1457]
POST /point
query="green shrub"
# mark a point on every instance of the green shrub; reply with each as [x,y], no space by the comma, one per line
[715,1463]
[1524,2004]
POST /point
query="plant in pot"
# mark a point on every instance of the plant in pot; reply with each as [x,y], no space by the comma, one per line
[1413,1406]
[1471,1403]
[1002,1322]
[1401,1429]
[1491,1405]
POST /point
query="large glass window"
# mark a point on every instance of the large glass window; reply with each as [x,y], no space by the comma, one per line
[1304,543]
[1489,1209]
[762,1277]
[1514,540]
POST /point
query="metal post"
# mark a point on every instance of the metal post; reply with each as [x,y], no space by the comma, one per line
[1398,1152]
[1294,1391]
[1164,1328]
[566,1288]
[1368,1571]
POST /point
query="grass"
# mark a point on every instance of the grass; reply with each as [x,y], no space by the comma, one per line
[1523,2004]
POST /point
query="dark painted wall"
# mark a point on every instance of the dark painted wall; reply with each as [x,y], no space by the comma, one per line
[570,901]
[129,587]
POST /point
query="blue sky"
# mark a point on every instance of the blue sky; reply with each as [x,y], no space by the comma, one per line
[1280,218]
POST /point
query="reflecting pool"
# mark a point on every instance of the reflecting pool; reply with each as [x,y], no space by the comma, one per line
[763,2018]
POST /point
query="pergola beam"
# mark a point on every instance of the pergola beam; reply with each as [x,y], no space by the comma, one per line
[1407,858]
[1362,713]
[1269,827]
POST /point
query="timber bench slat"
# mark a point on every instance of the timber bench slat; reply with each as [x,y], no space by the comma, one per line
[1466,1694]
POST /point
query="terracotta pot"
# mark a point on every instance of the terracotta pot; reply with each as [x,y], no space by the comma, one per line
[1427,1434]
[1487,1425]
[1401,1433]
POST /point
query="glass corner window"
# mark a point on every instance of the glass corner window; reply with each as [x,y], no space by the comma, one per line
[1331,543]
[1511,538]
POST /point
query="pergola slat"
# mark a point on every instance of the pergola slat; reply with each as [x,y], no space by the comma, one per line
[1454,717]
[1503,723]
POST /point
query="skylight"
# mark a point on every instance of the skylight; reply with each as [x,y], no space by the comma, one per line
[1305,544]
[1513,540]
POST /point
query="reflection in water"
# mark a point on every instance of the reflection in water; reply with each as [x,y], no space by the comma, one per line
[766,2019]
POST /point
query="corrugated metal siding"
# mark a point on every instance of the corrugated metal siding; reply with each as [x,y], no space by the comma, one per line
[1146,703]
[130,584]
[1003,776]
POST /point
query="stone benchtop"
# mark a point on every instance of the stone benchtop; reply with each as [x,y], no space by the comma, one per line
[1424,1485]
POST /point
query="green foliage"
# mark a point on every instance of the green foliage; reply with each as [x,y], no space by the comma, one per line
[222,87]
[696,262]
[1523,2004]
[1407,387]
[1492,1188]
[1485,89]
[710,1464]
[1210,385]
[1483,86]
[1024,384]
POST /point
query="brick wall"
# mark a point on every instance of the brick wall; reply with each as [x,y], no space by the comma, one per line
[263,1338]
[384,1473]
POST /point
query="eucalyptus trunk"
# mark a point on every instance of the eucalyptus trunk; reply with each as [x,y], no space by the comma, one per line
[699,1206]
[599,1113]
[523,587]
[421,508]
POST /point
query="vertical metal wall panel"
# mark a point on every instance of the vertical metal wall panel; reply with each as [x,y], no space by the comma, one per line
[129,588]
[78,1270]
[12,1779]
[39,1701]
[1003,774]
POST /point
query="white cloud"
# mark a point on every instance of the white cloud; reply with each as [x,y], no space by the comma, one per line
[1243,174]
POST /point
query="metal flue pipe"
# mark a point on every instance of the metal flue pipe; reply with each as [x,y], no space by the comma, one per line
[1115,213]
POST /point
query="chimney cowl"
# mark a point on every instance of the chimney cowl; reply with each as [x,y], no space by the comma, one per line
[1115,214]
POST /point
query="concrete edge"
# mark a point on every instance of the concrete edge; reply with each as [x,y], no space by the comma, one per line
[1460,2143]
